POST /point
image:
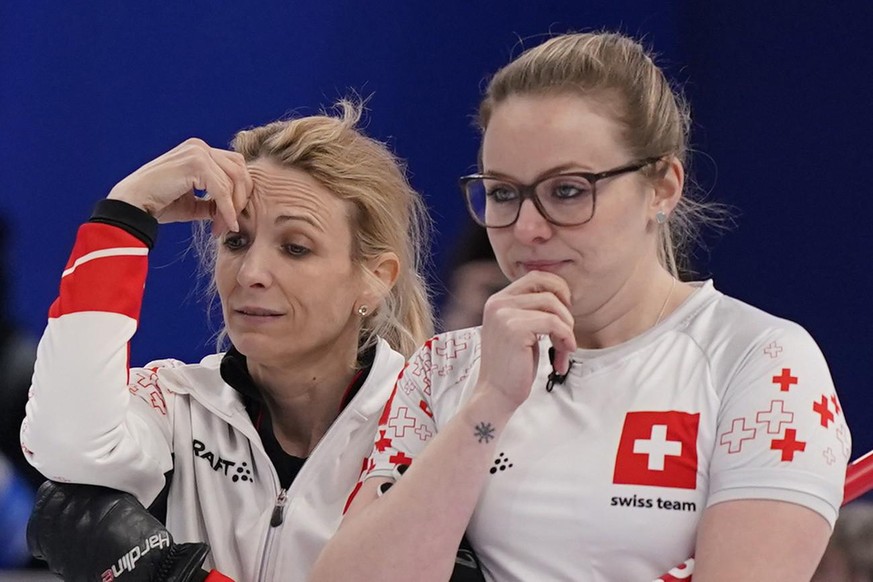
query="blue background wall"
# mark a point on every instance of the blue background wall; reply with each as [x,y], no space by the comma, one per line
[781,101]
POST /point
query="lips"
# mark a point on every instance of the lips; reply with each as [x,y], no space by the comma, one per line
[541,265]
[258,312]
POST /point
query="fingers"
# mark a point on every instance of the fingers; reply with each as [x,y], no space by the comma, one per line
[535,305]
[234,166]
[222,175]
[535,324]
[545,301]
[537,281]
[218,187]
[562,361]
[537,291]
[193,181]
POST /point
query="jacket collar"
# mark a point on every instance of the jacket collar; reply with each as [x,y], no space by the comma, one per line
[234,371]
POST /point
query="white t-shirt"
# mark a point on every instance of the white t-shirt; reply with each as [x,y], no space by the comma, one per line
[606,476]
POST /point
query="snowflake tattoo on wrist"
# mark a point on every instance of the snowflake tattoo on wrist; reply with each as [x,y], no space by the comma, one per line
[484,432]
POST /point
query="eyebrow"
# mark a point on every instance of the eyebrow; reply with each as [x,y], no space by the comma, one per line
[289,217]
[560,169]
[283,218]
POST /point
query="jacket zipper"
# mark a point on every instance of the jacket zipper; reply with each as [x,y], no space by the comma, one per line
[279,509]
[278,516]
[276,520]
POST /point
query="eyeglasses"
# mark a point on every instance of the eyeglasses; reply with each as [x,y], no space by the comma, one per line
[562,199]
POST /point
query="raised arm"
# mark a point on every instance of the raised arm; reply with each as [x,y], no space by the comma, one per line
[90,419]
[382,537]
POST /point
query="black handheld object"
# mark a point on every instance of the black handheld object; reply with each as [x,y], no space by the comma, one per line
[554,377]
[90,533]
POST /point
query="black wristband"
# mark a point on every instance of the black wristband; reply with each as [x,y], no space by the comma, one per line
[128,217]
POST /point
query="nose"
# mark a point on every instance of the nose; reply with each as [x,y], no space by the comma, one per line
[531,225]
[255,269]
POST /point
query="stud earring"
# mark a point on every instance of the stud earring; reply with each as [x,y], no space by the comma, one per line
[363,310]
[660,217]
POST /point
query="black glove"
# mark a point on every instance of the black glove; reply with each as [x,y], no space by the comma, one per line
[88,533]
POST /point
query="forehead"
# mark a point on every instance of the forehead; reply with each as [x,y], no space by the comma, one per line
[287,191]
[528,135]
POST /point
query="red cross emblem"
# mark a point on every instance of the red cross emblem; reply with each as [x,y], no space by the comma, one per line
[400,459]
[423,432]
[785,380]
[421,365]
[823,411]
[738,433]
[383,442]
[400,421]
[773,350]
[775,417]
[836,403]
[450,349]
[788,445]
[658,449]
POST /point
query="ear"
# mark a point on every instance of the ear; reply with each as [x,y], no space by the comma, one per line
[385,269]
[668,188]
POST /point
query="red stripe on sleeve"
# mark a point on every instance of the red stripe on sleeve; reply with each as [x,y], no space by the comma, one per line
[112,284]
[109,284]
[96,236]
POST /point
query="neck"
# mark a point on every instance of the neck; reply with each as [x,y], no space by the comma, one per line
[304,397]
[638,305]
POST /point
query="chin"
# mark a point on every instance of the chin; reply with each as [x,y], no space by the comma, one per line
[248,343]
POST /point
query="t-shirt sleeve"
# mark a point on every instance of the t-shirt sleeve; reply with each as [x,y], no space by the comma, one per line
[781,433]
[407,422]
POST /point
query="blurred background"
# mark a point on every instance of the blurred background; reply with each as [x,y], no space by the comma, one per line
[780,98]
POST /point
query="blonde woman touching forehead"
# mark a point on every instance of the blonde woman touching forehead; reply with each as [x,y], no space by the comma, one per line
[608,420]
[314,256]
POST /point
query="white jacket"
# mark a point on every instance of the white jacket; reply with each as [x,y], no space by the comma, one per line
[90,419]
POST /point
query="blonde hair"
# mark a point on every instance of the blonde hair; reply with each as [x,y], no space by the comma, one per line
[388,216]
[655,116]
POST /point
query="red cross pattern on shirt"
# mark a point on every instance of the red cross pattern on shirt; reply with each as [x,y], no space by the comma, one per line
[843,437]
[681,572]
[829,456]
[421,368]
[658,448]
[383,442]
[773,350]
[785,380]
[423,432]
[738,433]
[451,348]
[144,381]
[788,445]
[422,364]
[836,402]
[400,459]
[823,410]
[775,417]
[149,384]
[401,421]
